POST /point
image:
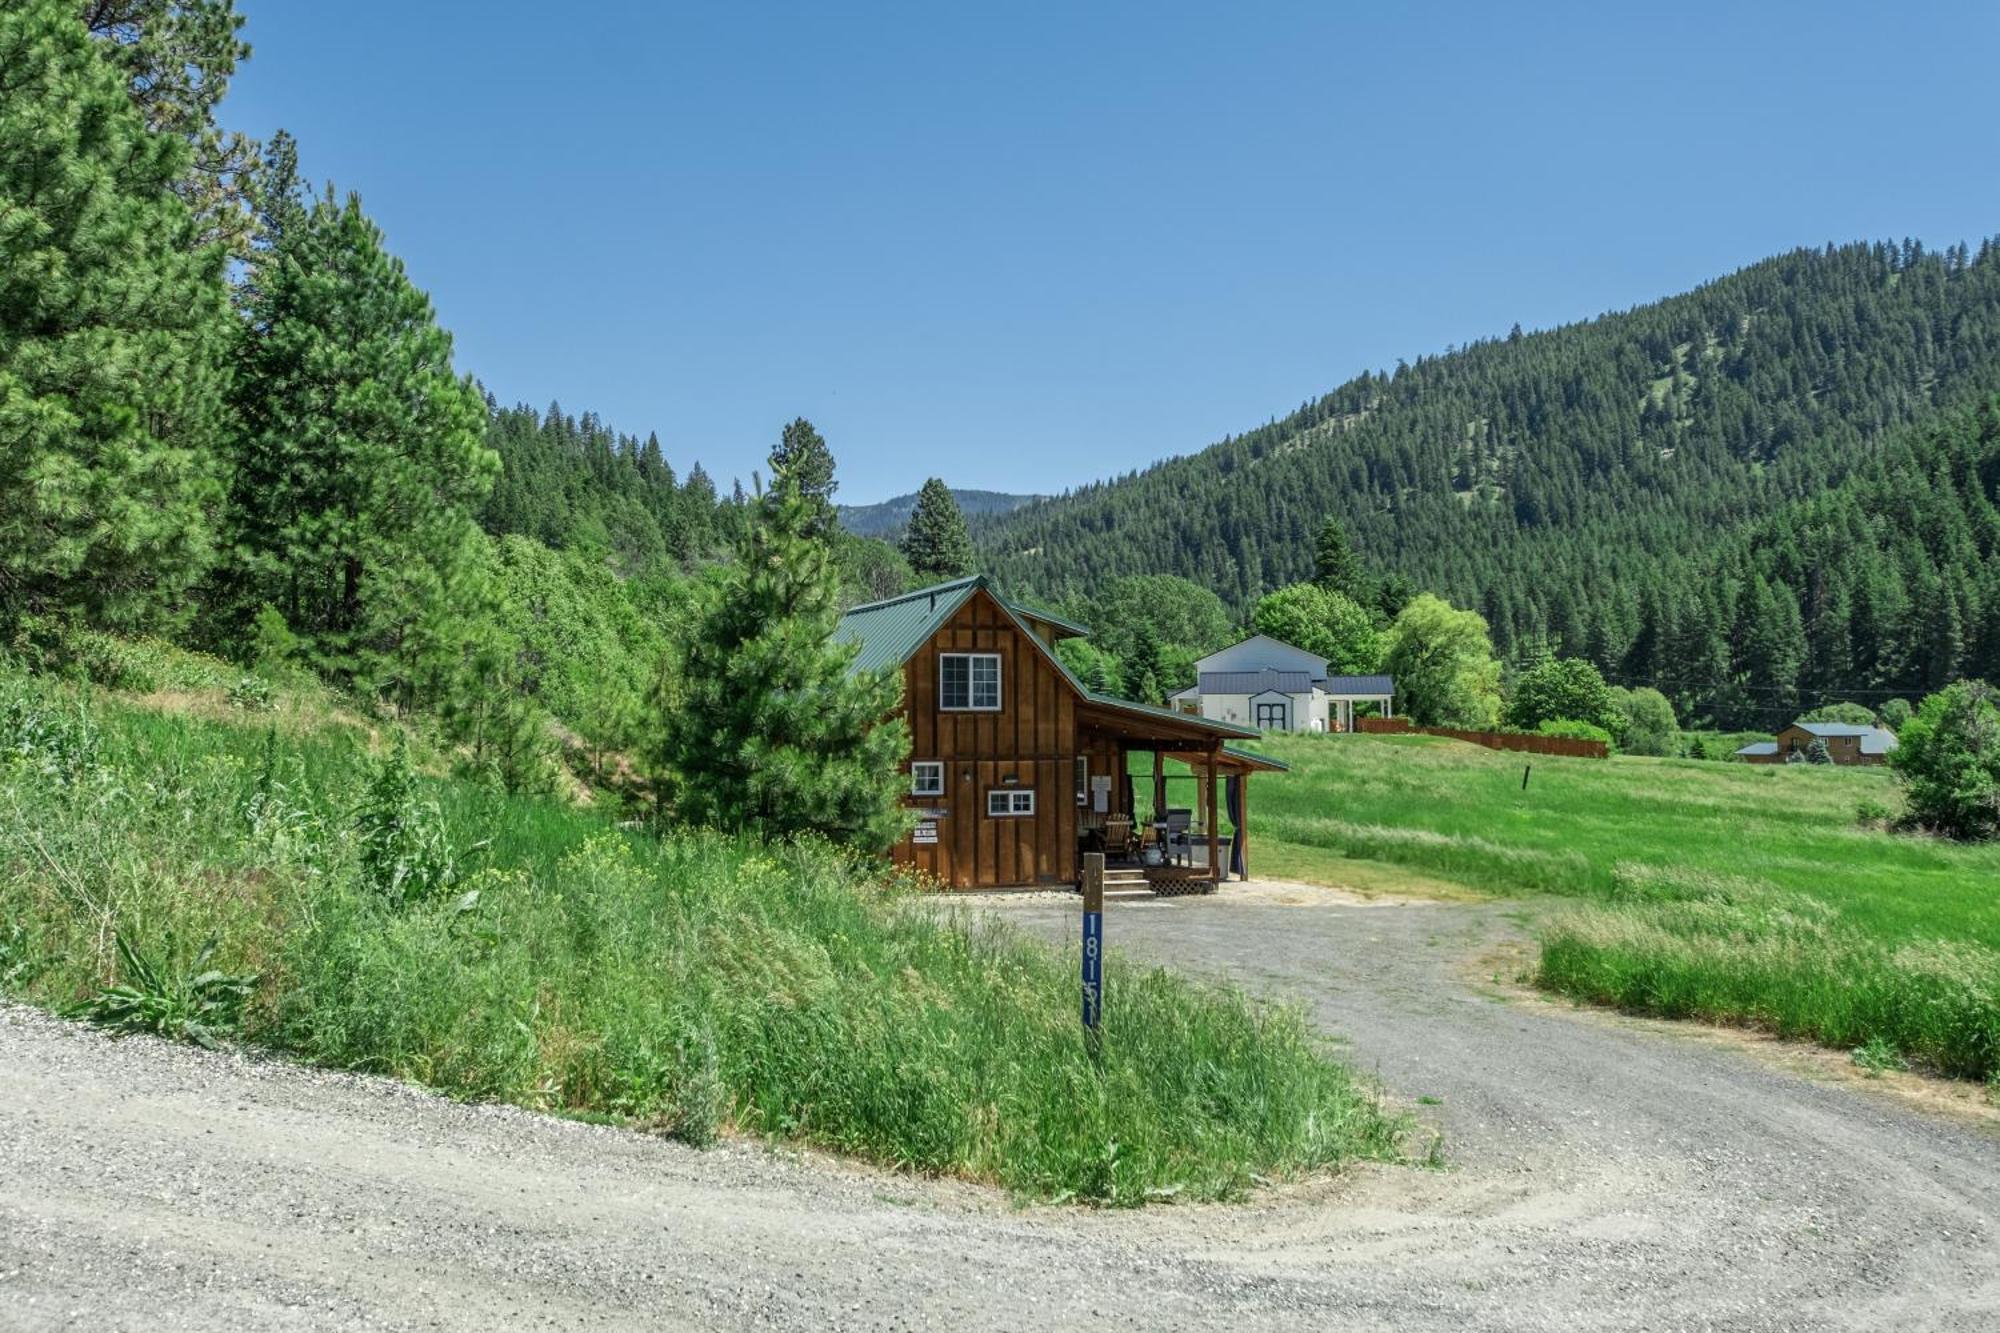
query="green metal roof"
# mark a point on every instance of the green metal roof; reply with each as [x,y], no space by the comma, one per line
[1263,760]
[1172,715]
[891,631]
[1068,627]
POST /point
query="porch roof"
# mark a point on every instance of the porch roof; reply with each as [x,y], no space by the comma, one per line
[1143,722]
[1235,760]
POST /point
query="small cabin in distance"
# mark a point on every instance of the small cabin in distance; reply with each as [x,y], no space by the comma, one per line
[1015,765]
[1846,743]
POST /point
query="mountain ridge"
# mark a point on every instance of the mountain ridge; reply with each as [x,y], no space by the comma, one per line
[1571,483]
[889,517]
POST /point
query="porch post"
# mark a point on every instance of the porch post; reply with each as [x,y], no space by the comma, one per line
[1159,784]
[1238,792]
[1214,826]
[1242,823]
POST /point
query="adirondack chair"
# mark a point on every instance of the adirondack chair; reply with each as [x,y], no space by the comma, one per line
[1118,839]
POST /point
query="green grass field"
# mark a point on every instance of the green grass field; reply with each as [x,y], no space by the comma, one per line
[532,952]
[1730,892]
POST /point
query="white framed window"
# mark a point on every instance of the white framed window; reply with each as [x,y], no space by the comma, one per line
[926,778]
[1083,779]
[1008,802]
[969,682]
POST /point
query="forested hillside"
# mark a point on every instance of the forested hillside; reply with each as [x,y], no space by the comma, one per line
[1607,489]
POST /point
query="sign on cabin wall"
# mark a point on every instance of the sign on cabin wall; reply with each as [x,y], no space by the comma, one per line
[926,832]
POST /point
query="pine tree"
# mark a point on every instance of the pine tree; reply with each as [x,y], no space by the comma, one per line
[1335,566]
[177,57]
[937,544]
[361,457]
[803,455]
[760,727]
[113,324]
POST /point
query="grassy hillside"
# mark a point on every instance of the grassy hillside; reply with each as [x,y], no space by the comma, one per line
[193,862]
[1724,891]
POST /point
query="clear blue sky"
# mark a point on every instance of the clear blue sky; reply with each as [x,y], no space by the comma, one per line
[1023,246]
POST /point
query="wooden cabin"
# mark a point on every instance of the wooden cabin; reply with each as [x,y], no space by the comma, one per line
[1015,765]
[1845,744]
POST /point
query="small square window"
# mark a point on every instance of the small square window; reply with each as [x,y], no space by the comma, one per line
[926,778]
[1008,802]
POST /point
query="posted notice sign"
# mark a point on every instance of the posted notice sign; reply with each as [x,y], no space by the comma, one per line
[926,832]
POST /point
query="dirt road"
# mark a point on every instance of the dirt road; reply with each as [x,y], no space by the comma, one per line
[1604,1175]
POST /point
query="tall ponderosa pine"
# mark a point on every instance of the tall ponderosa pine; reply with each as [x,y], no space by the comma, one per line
[361,458]
[760,726]
[113,324]
[937,544]
[177,57]
[802,455]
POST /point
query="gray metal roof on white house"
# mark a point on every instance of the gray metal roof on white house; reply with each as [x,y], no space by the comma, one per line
[1256,682]
[1366,687]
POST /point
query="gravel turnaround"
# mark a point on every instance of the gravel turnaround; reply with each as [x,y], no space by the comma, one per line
[1603,1174]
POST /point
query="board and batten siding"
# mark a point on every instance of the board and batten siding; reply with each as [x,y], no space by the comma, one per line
[1032,736]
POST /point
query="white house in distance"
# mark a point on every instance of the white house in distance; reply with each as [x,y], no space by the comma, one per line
[1264,682]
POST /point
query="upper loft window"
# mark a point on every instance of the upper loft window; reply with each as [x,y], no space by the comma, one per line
[969,681]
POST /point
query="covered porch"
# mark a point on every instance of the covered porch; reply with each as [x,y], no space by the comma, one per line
[1164,796]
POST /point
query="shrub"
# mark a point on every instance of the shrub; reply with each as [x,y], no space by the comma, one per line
[1649,726]
[1949,760]
[1895,712]
[1817,753]
[1570,729]
[252,694]
[1877,1056]
[1554,689]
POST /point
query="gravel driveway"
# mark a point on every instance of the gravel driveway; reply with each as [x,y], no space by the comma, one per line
[1605,1174]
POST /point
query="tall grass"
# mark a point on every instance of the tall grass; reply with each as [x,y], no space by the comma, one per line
[1706,890]
[696,984]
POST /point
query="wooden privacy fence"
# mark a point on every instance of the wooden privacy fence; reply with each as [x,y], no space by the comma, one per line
[1492,740]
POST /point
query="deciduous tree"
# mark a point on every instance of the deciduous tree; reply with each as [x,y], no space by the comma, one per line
[1442,659]
[1324,622]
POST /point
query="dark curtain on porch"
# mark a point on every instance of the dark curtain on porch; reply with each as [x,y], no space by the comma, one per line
[1160,796]
[1233,793]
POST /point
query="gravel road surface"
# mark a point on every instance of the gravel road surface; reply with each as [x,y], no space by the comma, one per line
[1605,1174]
